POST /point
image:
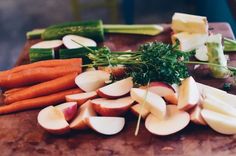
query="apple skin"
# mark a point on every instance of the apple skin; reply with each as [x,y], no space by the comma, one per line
[68,111]
[106,110]
[81,101]
[50,115]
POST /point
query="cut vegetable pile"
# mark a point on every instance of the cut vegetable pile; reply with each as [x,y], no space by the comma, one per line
[152,83]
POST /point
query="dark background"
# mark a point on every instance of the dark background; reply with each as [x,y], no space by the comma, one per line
[19,16]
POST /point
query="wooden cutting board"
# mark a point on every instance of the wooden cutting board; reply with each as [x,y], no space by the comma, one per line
[21,135]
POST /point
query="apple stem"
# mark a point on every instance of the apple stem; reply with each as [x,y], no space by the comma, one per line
[142,106]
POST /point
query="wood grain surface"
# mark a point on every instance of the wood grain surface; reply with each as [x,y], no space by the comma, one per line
[21,135]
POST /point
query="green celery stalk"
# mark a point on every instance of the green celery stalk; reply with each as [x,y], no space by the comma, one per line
[229,44]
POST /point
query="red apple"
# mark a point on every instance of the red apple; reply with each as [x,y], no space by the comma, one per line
[116,89]
[189,95]
[53,120]
[112,107]
[81,98]
[92,80]
[165,90]
[69,109]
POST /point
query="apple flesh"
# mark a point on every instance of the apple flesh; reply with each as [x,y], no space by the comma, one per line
[92,80]
[112,107]
[69,109]
[53,120]
[196,117]
[175,121]
[116,89]
[138,109]
[106,125]
[164,90]
[189,95]
[81,98]
[215,104]
[85,111]
[152,102]
[203,89]
[221,123]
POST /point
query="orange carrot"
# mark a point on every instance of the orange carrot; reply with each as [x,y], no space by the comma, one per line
[39,102]
[36,75]
[47,63]
[42,89]
[10,91]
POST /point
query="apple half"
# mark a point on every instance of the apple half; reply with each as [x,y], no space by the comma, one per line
[69,109]
[174,121]
[52,120]
[221,123]
[138,109]
[92,80]
[164,90]
[112,107]
[85,111]
[152,102]
[81,98]
[189,95]
[106,125]
[116,89]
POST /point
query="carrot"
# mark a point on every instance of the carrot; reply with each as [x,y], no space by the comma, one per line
[10,91]
[39,102]
[42,89]
[47,63]
[36,75]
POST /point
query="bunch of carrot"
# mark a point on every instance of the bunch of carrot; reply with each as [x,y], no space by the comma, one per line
[39,84]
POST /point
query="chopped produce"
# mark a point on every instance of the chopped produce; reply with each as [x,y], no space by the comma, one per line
[36,55]
[201,53]
[216,56]
[53,120]
[69,110]
[53,44]
[175,121]
[229,44]
[106,125]
[47,63]
[189,41]
[189,23]
[42,89]
[38,102]
[36,75]
[90,29]
[68,41]
[34,34]
[84,111]
[196,117]
[81,98]
[138,109]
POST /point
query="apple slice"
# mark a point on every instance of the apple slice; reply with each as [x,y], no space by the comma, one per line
[85,111]
[221,123]
[69,109]
[69,43]
[116,71]
[112,107]
[152,102]
[92,80]
[116,89]
[203,89]
[53,120]
[174,121]
[106,125]
[139,109]
[196,117]
[215,104]
[165,90]
[189,95]
[81,98]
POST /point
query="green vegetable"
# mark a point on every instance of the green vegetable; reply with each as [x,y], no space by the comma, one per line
[35,34]
[76,53]
[41,54]
[229,45]
[216,56]
[90,29]
[147,29]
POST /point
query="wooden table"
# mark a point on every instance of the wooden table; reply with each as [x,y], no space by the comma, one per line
[21,135]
